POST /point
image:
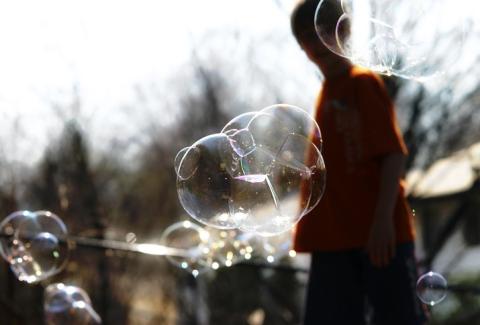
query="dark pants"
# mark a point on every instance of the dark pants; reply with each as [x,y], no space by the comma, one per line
[346,289]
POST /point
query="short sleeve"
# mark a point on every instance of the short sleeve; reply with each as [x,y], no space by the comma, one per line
[379,125]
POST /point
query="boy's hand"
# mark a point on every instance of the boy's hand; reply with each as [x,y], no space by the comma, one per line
[381,243]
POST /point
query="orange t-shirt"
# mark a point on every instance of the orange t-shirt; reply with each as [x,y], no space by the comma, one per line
[358,125]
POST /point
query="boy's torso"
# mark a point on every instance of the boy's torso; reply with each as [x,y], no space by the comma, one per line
[343,217]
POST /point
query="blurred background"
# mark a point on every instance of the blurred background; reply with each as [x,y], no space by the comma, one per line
[96,99]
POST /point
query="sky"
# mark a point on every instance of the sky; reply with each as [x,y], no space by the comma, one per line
[101,50]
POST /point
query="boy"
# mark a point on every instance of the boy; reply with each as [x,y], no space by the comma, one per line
[361,233]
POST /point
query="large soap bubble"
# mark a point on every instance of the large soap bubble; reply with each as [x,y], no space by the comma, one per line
[66,304]
[261,174]
[410,39]
[34,243]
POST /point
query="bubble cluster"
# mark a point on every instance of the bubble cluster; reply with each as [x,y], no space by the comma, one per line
[207,248]
[34,244]
[66,304]
[260,174]
[409,39]
[431,288]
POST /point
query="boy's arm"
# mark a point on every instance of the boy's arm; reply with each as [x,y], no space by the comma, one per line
[381,242]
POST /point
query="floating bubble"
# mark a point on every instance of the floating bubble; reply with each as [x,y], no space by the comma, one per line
[431,288]
[205,194]
[34,243]
[260,175]
[191,238]
[66,304]
[130,238]
[409,39]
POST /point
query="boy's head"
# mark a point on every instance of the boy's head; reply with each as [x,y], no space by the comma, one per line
[302,22]
[302,17]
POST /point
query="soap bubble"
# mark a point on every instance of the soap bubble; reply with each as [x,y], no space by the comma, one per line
[34,243]
[431,288]
[205,193]
[66,304]
[260,175]
[276,191]
[191,238]
[130,237]
[409,39]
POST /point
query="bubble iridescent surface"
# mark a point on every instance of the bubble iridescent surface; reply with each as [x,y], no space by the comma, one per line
[409,39]
[34,243]
[260,175]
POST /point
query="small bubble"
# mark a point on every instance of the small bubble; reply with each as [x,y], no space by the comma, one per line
[35,250]
[67,304]
[431,288]
[130,238]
